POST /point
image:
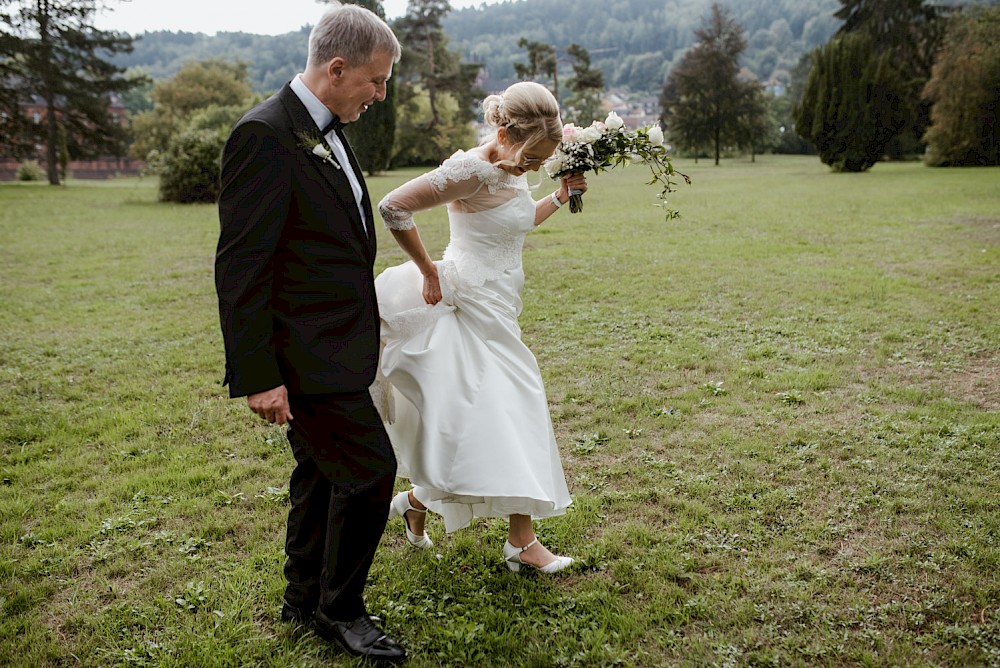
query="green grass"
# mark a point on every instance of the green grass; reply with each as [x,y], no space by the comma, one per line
[778,417]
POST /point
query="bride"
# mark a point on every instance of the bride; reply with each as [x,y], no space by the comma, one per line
[462,396]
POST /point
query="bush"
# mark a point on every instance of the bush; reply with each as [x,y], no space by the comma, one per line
[29,170]
[189,170]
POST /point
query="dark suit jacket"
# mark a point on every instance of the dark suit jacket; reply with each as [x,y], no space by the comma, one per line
[294,266]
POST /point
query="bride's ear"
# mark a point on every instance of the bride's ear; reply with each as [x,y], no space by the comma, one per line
[502,136]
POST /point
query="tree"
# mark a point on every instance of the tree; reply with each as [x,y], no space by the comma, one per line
[429,68]
[373,134]
[852,105]
[587,85]
[911,32]
[198,85]
[50,49]
[964,89]
[756,126]
[704,97]
[542,61]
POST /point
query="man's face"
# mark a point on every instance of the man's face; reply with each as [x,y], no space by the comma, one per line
[354,89]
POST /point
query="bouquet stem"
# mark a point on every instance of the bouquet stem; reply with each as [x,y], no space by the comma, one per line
[575,201]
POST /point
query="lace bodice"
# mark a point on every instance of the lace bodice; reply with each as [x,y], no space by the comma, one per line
[489,211]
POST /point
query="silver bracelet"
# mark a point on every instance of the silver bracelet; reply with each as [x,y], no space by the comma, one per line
[555,200]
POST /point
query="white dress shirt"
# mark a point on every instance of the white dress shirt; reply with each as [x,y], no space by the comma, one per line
[321,115]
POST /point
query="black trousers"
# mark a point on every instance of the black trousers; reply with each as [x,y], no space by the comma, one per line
[340,491]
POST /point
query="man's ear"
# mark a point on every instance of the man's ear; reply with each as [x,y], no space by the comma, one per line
[335,69]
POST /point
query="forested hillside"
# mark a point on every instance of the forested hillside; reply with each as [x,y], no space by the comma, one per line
[272,59]
[634,42]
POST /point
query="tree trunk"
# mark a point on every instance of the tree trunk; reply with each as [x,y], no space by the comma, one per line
[717,141]
[52,129]
[51,142]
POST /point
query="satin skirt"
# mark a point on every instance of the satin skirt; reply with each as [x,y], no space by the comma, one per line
[463,398]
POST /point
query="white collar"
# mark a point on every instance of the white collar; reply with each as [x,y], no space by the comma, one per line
[320,114]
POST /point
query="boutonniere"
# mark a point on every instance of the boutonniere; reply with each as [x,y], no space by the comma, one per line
[316,145]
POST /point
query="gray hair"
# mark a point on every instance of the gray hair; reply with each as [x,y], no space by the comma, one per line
[353,33]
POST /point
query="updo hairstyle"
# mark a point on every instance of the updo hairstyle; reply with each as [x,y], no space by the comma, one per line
[529,114]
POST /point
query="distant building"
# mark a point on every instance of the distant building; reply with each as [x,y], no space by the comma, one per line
[102,167]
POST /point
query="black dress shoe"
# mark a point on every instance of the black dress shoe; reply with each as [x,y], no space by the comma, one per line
[360,637]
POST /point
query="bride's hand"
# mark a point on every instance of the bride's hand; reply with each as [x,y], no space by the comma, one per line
[432,287]
[569,182]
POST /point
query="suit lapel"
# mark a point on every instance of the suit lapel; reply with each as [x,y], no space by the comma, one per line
[302,123]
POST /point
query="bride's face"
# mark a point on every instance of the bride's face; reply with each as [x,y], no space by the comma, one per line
[531,158]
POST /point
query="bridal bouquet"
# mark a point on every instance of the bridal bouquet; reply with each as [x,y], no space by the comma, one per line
[610,144]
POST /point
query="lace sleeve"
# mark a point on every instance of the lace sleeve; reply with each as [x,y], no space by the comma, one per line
[441,186]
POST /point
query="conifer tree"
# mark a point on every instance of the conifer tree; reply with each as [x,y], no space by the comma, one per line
[851,107]
[373,134]
[51,50]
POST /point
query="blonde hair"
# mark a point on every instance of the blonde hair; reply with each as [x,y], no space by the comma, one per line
[353,33]
[527,112]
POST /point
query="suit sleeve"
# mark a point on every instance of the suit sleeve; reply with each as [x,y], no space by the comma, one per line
[253,206]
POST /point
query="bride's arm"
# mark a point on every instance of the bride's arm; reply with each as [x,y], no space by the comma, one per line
[397,209]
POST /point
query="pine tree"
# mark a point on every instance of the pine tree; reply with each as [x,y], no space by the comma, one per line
[429,68]
[587,85]
[373,134]
[851,107]
[50,49]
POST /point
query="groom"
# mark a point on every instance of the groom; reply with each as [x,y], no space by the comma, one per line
[294,275]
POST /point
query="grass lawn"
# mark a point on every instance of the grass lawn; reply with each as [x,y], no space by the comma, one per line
[779,418]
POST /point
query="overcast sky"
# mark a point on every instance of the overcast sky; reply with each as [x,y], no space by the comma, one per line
[211,16]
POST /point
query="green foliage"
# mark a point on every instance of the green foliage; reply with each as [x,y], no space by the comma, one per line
[30,170]
[911,32]
[437,91]
[372,136]
[587,85]
[199,85]
[705,102]
[853,104]
[189,170]
[189,167]
[52,51]
[418,141]
[965,92]
[635,43]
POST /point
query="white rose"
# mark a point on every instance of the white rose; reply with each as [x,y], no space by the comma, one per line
[555,165]
[590,135]
[614,121]
[655,135]
[322,151]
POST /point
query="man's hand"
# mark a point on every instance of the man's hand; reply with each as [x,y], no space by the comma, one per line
[271,405]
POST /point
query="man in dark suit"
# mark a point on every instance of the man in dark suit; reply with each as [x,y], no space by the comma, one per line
[294,275]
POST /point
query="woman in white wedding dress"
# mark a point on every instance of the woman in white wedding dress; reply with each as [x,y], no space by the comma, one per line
[462,396]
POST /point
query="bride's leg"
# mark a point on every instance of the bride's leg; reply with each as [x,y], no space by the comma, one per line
[520,533]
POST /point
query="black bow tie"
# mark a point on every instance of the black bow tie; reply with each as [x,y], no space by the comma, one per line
[335,124]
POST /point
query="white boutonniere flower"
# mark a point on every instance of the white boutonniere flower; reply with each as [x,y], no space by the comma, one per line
[318,147]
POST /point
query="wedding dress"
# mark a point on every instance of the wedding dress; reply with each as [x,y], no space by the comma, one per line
[461,395]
